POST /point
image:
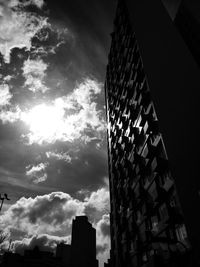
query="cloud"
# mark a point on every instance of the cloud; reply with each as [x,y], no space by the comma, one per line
[59,156]
[48,40]
[46,220]
[99,200]
[73,117]
[47,214]
[37,173]
[10,115]
[42,213]
[17,3]
[44,242]
[86,171]
[103,226]
[7,78]
[5,95]
[103,237]
[34,73]
[38,3]
[18,27]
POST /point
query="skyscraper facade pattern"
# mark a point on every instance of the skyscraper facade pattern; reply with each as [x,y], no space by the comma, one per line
[147,224]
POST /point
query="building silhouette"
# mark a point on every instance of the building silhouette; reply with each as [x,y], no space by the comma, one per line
[31,258]
[63,253]
[152,85]
[81,252]
[83,244]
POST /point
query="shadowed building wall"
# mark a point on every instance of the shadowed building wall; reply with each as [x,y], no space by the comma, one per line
[172,7]
[152,86]
[187,22]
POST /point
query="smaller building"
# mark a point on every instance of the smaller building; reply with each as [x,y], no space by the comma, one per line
[31,258]
[63,252]
[11,259]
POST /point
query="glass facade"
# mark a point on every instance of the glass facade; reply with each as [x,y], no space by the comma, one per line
[147,225]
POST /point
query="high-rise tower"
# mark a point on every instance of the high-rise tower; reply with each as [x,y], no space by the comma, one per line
[187,21]
[151,86]
[83,245]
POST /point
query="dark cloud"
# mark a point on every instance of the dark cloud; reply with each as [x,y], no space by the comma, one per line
[86,172]
[16,233]
[103,236]
[91,25]
[105,225]
[102,248]
[87,169]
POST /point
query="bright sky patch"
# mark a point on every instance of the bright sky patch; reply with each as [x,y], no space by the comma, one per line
[68,118]
[45,122]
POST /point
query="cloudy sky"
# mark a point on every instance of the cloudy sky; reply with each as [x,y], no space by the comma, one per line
[53,155]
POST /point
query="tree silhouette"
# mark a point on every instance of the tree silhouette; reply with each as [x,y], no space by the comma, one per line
[3,236]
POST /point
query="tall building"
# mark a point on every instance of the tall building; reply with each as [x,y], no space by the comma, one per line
[187,21]
[152,85]
[83,244]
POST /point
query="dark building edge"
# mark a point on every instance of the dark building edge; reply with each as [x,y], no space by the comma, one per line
[179,60]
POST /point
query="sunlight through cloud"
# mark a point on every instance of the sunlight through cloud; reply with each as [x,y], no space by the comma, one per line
[70,117]
[45,121]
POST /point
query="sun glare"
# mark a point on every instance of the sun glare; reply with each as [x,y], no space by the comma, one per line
[45,121]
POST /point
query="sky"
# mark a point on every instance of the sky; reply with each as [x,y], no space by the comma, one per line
[53,150]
